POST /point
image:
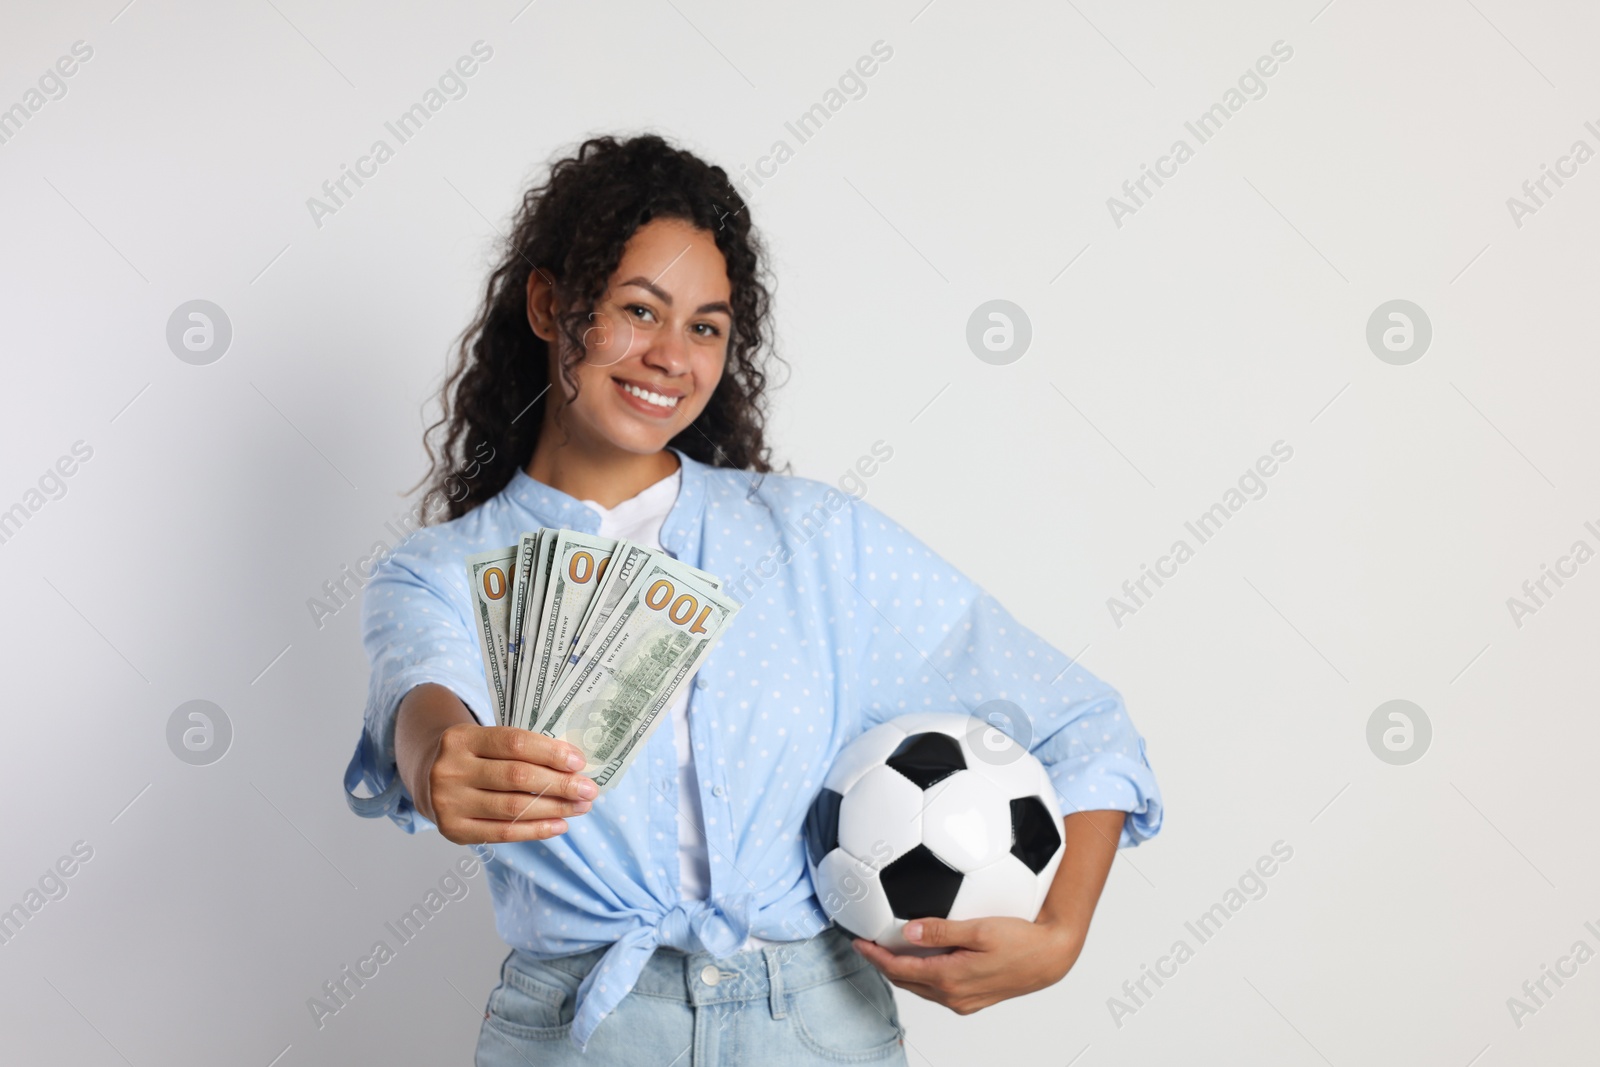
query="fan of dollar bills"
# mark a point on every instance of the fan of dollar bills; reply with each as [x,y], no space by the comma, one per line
[587,638]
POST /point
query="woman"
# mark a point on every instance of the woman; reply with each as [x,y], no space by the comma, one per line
[613,384]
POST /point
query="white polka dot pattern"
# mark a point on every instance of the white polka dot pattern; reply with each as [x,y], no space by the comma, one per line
[848,621]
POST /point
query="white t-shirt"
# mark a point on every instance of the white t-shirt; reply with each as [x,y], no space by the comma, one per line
[639,519]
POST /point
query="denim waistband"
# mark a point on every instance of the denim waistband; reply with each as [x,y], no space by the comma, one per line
[766,972]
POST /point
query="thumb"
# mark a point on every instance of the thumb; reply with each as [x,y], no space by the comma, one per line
[941,933]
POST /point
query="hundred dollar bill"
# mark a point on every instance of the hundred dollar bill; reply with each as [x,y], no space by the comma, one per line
[520,587]
[527,552]
[577,563]
[614,697]
[489,579]
[530,626]
[625,566]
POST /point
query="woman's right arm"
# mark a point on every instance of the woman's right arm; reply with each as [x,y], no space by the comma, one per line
[480,784]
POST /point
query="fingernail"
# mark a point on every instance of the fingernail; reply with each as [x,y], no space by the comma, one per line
[582,806]
[574,760]
[913,931]
[587,789]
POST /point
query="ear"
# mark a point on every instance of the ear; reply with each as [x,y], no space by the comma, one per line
[541,304]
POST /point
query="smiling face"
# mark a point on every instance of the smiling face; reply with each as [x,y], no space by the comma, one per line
[656,344]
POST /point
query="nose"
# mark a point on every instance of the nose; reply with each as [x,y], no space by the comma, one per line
[668,353]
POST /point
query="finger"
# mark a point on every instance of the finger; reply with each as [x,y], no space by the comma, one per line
[512,743]
[485,804]
[875,953]
[949,933]
[505,831]
[895,967]
[515,776]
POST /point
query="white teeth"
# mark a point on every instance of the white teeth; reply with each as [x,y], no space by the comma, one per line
[652,398]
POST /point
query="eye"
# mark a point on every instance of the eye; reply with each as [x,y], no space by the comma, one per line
[639,307]
[714,331]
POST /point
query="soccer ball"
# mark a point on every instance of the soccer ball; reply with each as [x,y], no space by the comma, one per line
[934,814]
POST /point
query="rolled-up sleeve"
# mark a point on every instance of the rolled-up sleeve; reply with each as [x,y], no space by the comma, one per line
[929,639]
[415,630]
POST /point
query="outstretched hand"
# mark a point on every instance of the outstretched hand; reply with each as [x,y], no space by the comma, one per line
[992,960]
[485,784]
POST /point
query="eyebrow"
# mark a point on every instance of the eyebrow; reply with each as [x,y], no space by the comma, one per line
[666,298]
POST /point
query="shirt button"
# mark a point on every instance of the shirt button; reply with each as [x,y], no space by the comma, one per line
[710,975]
[717,791]
[700,683]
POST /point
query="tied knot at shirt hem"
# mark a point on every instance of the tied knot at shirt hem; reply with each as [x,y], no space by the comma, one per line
[689,926]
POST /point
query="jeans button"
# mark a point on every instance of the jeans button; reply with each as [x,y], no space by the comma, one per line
[710,975]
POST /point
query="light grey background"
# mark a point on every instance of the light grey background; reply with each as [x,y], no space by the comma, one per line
[1167,355]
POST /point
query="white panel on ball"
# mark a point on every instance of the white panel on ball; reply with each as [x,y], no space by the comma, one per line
[880,819]
[1011,769]
[861,755]
[966,822]
[852,896]
[987,742]
[1005,887]
[1047,791]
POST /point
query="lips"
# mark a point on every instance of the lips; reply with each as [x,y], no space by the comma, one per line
[647,400]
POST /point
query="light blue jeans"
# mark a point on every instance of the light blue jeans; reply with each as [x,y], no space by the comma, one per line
[801,1003]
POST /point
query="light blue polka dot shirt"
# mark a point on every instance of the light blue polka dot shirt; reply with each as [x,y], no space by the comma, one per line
[847,621]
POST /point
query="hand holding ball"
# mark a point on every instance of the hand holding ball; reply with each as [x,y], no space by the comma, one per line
[933,814]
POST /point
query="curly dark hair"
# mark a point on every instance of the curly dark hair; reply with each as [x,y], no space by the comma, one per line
[573,229]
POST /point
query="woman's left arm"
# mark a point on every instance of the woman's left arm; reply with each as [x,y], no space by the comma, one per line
[999,958]
[928,638]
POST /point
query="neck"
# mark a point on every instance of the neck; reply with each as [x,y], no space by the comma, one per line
[606,475]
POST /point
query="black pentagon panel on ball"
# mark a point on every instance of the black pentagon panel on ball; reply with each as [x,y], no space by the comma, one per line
[928,758]
[822,825]
[920,884]
[1034,834]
